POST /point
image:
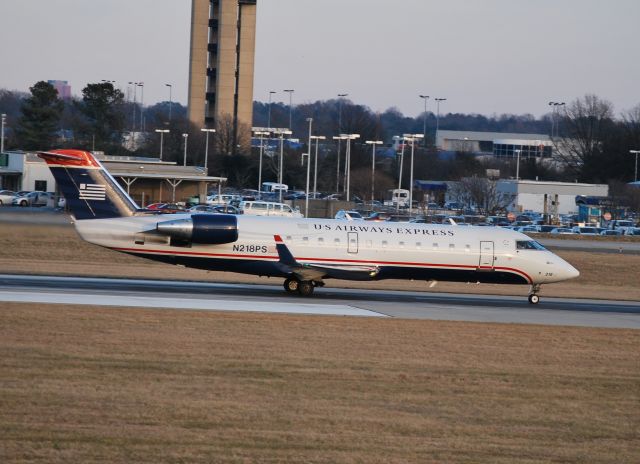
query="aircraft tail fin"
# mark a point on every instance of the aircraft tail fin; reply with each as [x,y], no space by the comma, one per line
[90,191]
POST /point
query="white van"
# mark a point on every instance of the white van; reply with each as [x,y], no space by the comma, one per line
[274,187]
[268,208]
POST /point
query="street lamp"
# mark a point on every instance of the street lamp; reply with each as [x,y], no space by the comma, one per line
[133,118]
[438,100]
[400,173]
[554,115]
[4,121]
[635,177]
[412,138]
[170,105]
[340,96]
[315,168]
[261,133]
[373,144]
[290,92]
[339,138]
[206,148]
[271,92]
[424,117]
[107,81]
[306,199]
[185,136]
[162,132]
[281,133]
[518,164]
[349,138]
[141,85]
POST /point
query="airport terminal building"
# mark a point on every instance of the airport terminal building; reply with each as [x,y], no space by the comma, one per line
[498,144]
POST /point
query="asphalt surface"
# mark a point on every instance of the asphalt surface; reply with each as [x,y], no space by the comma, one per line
[327,301]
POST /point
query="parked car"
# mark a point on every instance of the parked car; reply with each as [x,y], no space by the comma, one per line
[166,208]
[268,208]
[202,209]
[378,216]
[610,232]
[6,196]
[32,199]
[584,230]
[632,231]
[561,230]
[349,215]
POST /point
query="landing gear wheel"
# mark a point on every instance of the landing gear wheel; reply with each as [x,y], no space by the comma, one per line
[305,288]
[291,285]
[534,299]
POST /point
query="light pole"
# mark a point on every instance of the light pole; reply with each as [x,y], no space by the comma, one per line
[4,121]
[518,164]
[306,198]
[349,138]
[412,138]
[400,173]
[290,92]
[424,118]
[635,177]
[315,167]
[162,132]
[206,149]
[261,134]
[340,97]
[170,102]
[438,100]
[133,118]
[339,138]
[554,115]
[141,85]
[373,144]
[185,137]
[271,92]
[282,133]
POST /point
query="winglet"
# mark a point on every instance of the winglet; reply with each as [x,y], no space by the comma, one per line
[283,252]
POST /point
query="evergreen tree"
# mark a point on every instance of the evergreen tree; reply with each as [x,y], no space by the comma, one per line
[102,104]
[40,118]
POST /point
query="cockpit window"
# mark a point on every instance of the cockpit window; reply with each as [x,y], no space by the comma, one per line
[528,245]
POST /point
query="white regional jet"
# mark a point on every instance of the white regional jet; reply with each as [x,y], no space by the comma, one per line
[302,251]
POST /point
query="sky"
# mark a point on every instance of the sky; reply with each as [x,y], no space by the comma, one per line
[483,56]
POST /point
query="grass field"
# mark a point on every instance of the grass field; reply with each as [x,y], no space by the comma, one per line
[82,384]
[96,384]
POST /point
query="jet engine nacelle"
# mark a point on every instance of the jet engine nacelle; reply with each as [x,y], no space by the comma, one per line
[209,229]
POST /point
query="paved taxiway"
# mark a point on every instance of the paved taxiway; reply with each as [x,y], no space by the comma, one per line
[330,301]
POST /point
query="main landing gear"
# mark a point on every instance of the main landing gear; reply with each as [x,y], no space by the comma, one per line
[533,294]
[301,287]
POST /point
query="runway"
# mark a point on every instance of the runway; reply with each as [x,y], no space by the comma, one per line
[326,301]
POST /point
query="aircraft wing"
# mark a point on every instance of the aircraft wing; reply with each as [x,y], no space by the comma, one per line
[304,271]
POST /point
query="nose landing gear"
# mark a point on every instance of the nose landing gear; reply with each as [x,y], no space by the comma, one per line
[533,294]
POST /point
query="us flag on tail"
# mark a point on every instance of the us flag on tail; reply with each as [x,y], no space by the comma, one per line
[94,192]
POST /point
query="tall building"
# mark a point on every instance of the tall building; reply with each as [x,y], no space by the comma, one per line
[223,34]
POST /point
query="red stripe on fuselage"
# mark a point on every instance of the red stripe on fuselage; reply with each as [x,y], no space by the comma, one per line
[320,261]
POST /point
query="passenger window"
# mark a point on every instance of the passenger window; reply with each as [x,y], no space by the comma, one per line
[336,241]
[384,244]
[452,246]
[305,239]
[320,240]
[435,245]
[467,248]
[418,245]
[369,244]
[401,244]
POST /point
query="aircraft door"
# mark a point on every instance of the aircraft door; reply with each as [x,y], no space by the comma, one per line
[352,242]
[486,256]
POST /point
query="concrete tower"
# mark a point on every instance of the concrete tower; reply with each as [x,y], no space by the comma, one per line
[223,35]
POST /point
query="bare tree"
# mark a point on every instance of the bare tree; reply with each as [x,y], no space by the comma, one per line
[482,193]
[585,123]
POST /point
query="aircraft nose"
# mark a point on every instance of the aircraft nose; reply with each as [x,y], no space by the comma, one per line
[571,272]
